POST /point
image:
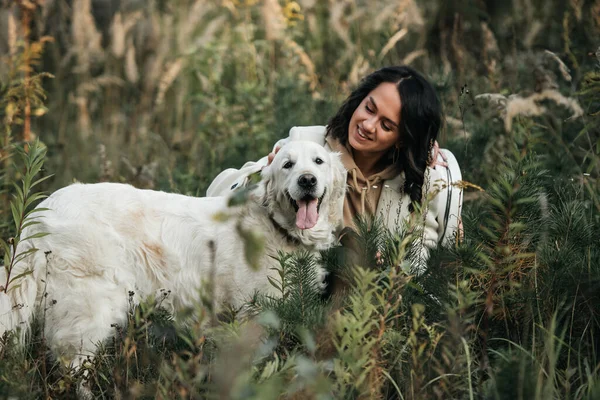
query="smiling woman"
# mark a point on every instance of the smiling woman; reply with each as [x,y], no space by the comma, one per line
[386,133]
[374,127]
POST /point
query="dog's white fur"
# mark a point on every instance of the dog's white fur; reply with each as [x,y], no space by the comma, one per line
[108,239]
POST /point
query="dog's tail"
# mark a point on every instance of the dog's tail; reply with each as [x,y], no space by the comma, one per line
[17,303]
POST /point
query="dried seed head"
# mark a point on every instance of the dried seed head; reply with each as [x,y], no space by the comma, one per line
[273,19]
[564,70]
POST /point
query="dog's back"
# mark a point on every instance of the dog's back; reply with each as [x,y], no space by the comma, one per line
[104,241]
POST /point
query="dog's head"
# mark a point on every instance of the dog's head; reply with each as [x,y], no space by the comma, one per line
[304,189]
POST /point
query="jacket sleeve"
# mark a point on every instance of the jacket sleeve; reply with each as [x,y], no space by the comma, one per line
[429,237]
[431,217]
[449,199]
[232,178]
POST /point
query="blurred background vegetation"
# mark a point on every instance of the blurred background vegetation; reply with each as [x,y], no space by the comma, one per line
[166,94]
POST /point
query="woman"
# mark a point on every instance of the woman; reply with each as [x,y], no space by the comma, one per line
[386,131]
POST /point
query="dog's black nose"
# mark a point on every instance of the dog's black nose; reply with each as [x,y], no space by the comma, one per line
[307,181]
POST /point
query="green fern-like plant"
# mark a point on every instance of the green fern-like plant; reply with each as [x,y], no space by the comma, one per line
[23,213]
[299,302]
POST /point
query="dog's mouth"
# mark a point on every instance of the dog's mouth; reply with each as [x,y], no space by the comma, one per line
[307,210]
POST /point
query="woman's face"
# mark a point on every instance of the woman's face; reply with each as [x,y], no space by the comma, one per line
[374,126]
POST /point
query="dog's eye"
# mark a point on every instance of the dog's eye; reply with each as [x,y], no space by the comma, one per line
[318,161]
[288,165]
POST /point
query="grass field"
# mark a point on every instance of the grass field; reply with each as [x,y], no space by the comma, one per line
[166,94]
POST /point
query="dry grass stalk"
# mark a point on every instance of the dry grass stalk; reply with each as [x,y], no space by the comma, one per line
[84,124]
[119,29]
[210,32]
[564,70]
[94,85]
[457,47]
[131,69]
[311,76]
[458,126]
[595,11]
[490,52]
[359,69]
[413,55]
[154,64]
[494,98]
[490,45]
[274,20]
[87,40]
[576,5]
[396,37]
[106,171]
[381,16]
[171,73]
[409,14]
[516,105]
[534,29]
[338,22]
[27,9]
[11,33]
[194,19]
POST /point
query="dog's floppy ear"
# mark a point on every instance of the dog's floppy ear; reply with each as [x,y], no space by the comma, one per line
[263,192]
[338,190]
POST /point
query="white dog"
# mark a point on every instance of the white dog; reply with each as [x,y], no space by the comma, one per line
[108,239]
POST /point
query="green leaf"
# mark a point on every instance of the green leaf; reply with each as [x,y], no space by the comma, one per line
[41,180]
[37,210]
[24,254]
[21,275]
[516,227]
[36,236]
[7,262]
[30,223]
[274,283]
[35,169]
[16,216]
[4,246]
[19,196]
[33,198]
[526,200]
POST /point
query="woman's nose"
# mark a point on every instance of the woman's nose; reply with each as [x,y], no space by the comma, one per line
[369,123]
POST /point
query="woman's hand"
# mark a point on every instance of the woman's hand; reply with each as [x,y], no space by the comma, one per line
[271,156]
[436,154]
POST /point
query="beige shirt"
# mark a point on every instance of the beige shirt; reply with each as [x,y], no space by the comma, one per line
[363,193]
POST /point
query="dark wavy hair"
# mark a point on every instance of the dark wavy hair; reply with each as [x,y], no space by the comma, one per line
[420,121]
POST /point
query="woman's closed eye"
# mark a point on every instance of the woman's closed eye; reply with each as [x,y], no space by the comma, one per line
[384,126]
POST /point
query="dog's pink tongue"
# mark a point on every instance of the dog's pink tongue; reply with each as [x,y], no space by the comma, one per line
[307,214]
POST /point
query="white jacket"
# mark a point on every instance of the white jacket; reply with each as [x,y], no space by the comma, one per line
[442,212]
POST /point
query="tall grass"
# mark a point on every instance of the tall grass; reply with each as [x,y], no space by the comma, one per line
[165,95]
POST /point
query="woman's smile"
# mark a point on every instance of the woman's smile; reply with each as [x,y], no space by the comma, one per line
[361,134]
